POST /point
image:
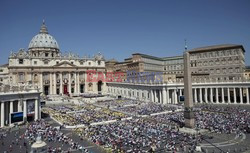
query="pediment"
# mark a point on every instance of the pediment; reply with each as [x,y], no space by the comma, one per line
[65,64]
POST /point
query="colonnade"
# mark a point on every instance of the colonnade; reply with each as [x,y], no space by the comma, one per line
[18,105]
[165,94]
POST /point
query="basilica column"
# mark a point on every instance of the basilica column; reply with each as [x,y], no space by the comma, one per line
[54,83]
[61,83]
[164,95]
[69,82]
[75,84]
[78,82]
[222,95]
[235,95]
[41,82]
[2,114]
[51,84]
[241,98]
[228,95]
[217,95]
[24,110]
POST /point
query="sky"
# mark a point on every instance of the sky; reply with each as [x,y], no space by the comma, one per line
[119,28]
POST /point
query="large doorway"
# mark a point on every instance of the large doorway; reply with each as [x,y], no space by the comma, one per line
[82,88]
[99,87]
[46,90]
[65,89]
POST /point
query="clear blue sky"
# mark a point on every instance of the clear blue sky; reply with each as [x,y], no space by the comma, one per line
[118,28]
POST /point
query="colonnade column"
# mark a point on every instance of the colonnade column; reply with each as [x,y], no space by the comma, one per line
[19,106]
[241,98]
[211,95]
[247,90]
[235,96]
[2,114]
[206,95]
[175,96]
[37,109]
[222,95]
[156,99]
[200,95]
[24,110]
[152,95]
[195,95]
[164,95]
[11,107]
[217,95]
[228,95]
[160,96]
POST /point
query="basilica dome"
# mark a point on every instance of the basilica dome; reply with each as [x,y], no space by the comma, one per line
[43,39]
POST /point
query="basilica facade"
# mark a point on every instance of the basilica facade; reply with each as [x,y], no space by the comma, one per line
[43,65]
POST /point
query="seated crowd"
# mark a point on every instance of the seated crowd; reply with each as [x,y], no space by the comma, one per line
[87,115]
[139,135]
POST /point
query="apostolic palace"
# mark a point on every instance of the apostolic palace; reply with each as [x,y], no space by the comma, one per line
[219,75]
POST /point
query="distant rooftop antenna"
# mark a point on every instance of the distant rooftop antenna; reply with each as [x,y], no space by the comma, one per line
[185,45]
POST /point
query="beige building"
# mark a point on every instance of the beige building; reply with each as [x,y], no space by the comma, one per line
[219,63]
[44,65]
[4,74]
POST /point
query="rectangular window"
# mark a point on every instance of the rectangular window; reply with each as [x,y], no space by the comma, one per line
[21,77]
[35,62]
[20,61]
[46,62]
[1,70]
[46,54]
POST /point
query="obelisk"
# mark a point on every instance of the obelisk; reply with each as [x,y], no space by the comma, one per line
[188,96]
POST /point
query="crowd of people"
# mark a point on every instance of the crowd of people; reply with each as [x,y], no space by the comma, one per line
[52,135]
[215,119]
[138,135]
[85,114]
[159,132]
[146,108]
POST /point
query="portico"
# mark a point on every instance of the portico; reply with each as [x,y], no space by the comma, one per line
[27,102]
[210,93]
